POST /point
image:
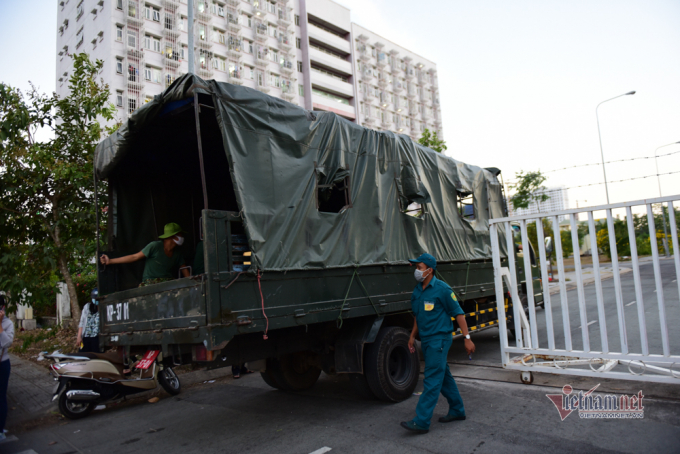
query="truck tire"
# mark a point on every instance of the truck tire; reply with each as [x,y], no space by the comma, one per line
[391,369]
[296,371]
[268,375]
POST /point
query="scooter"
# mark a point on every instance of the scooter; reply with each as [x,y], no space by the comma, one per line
[86,380]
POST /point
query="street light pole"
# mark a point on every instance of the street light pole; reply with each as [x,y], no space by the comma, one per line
[600,136]
[658,180]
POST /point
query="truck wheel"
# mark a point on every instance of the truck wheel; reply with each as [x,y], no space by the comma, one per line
[169,381]
[268,375]
[360,385]
[296,371]
[73,409]
[391,369]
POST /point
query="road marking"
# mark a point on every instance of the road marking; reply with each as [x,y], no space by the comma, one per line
[321,450]
[631,303]
[589,323]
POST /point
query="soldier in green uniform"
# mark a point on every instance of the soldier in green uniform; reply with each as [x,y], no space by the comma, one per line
[161,256]
[434,305]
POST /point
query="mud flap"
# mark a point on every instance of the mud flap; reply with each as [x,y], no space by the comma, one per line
[349,348]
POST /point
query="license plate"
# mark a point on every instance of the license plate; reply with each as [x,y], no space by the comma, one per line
[148,359]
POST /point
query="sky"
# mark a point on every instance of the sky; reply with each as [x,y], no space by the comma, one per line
[519,81]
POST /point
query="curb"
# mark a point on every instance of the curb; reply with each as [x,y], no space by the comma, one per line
[590,280]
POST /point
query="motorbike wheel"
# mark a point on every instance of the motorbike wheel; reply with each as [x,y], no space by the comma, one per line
[169,381]
[72,409]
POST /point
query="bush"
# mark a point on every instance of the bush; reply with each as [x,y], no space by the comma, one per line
[85,283]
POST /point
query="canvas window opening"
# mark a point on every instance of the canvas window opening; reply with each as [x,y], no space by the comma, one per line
[465,205]
[334,197]
[413,209]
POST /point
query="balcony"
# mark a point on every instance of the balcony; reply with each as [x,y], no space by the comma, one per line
[202,11]
[204,72]
[382,82]
[263,88]
[325,58]
[328,39]
[367,75]
[234,3]
[135,53]
[170,4]
[331,84]
[261,35]
[134,17]
[172,59]
[288,92]
[287,67]
[203,43]
[170,30]
[261,60]
[364,56]
[382,60]
[235,77]
[385,123]
[397,86]
[368,120]
[285,42]
[410,73]
[284,18]
[233,23]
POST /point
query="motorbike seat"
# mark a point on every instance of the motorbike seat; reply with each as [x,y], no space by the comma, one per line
[113,358]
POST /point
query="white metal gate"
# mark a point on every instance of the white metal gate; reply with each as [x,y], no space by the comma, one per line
[641,348]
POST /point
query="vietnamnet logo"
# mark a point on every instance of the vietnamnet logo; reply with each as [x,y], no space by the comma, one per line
[600,406]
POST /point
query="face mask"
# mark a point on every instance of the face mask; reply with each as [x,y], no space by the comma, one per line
[419,275]
[95,302]
[179,240]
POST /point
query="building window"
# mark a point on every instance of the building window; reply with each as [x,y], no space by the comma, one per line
[252,73]
[79,10]
[298,43]
[299,64]
[297,20]
[119,98]
[132,105]
[147,73]
[119,65]
[131,39]
[301,89]
[119,33]
[119,4]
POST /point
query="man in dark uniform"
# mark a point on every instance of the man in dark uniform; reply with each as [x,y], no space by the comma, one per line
[434,305]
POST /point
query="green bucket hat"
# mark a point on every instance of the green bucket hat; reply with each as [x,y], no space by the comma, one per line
[171,230]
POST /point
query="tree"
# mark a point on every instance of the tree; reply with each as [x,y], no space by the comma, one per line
[46,187]
[528,189]
[430,140]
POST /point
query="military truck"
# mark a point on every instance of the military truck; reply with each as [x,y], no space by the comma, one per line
[299,225]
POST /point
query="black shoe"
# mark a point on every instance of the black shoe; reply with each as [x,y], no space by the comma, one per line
[449,418]
[414,427]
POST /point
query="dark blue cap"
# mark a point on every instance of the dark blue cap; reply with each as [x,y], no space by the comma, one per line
[427,259]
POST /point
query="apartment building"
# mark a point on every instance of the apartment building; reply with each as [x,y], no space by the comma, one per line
[307,52]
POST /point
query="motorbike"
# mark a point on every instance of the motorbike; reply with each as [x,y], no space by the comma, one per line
[86,380]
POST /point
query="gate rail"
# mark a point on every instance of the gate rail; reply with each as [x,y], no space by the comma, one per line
[541,353]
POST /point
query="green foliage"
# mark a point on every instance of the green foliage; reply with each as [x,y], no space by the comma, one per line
[567,244]
[527,188]
[47,213]
[430,140]
[533,234]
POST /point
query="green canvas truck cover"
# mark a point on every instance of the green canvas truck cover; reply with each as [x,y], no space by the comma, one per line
[284,161]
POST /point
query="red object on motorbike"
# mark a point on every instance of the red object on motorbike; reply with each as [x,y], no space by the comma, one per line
[148,359]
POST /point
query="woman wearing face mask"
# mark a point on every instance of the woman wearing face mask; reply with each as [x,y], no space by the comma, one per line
[88,328]
[161,256]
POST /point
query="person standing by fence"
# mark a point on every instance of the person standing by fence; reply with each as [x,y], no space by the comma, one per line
[6,339]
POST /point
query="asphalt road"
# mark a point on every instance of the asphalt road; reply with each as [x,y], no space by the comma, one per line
[236,416]
[487,343]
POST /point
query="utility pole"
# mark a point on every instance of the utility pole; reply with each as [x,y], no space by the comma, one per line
[658,180]
[190,19]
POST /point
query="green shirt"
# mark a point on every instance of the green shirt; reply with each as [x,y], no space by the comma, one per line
[434,307]
[158,265]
